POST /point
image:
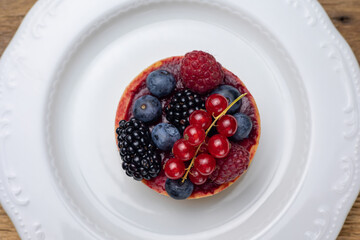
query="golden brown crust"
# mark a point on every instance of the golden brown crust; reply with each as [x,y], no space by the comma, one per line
[124,105]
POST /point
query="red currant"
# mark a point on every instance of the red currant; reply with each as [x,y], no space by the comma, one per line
[226,125]
[194,134]
[219,146]
[196,178]
[205,164]
[183,150]
[215,104]
[201,118]
[174,168]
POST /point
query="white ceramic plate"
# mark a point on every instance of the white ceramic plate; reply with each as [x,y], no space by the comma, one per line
[65,70]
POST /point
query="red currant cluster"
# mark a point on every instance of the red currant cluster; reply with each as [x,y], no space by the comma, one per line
[195,140]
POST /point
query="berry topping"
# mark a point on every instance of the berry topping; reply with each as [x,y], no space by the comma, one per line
[219,146]
[194,134]
[140,159]
[200,72]
[177,137]
[227,125]
[181,105]
[205,164]
[160,83]
[164,136]
[147,109]
[230,93]
[215,104]
[201,118]
[244,126]
[178,189]
[174,168]
[196,177]
[232,166]
[183,150]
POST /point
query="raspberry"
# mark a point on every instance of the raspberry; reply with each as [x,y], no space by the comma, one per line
[200,72]
[232,166]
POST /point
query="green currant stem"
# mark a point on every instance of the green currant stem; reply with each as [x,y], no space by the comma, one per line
[191,164]
[206,133]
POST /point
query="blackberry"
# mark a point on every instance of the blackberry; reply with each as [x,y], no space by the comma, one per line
[139,155]
[181,105]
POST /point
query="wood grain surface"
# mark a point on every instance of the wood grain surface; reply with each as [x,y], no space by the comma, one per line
[345,14]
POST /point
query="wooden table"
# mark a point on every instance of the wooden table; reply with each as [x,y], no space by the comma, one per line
[345,14]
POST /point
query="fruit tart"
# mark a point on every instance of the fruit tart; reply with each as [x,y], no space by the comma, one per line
[187,127]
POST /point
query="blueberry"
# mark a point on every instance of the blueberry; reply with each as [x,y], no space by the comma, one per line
[230,93]
[147,109]
[178,190]
[244,127]
[160,83]
[164,135]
